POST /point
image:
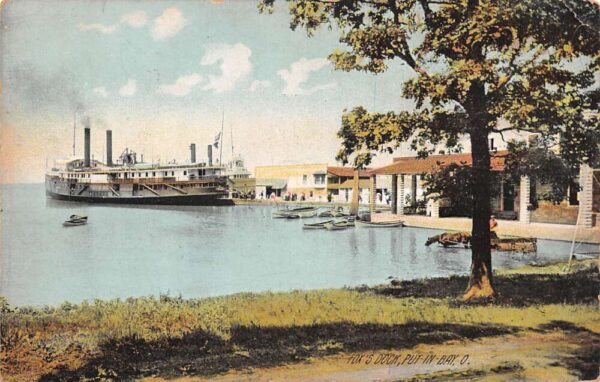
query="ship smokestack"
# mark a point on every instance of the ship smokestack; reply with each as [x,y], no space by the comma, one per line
[109,161]
[86,153]
[210,155]
[193,152]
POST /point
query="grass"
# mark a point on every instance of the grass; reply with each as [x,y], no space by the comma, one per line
[104,337]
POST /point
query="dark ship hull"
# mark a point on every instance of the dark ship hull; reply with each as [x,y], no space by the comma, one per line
[212,199]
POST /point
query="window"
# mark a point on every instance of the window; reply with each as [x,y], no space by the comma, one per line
[185,173]
[172,173]
[153,173]
[320,179]
[304,179]
[146,175]
[133,174]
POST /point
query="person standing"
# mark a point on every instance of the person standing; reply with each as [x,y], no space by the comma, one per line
[493,227]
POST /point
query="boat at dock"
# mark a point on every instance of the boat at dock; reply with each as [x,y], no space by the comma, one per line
[335,212]
[340,224]
[382,224]
[319,225]
[132,181]
[302,212]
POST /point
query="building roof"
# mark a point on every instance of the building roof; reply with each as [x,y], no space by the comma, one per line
[433,163]
[347,172]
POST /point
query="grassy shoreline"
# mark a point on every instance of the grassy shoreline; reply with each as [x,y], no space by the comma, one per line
[170,336]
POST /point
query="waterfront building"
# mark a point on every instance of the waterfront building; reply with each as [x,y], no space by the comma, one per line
[513,201]
[316,182]
[297,181]
[340,183]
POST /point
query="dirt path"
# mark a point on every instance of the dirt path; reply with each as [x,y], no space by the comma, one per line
[533,356]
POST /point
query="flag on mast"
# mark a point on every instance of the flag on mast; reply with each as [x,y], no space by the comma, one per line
[217,140]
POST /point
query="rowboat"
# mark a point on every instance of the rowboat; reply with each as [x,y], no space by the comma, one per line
[382,224]
[75,220]
[319,225]
[303,212]
[339,225]
[326,214]
[336,226]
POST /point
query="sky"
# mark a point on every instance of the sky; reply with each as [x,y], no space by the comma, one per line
[164,74]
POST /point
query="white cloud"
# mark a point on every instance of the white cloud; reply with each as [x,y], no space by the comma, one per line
[182,86]
[101,91]
[168,24]
[104,29]
[258,84]
[235,65]
[129,89]
[298,74]
[135,19]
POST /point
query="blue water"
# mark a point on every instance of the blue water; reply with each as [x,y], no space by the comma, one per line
[204,251]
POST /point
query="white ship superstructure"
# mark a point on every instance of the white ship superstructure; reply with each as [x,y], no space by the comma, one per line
[132,182]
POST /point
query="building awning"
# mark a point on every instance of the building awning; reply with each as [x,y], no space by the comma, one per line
[320,172]
[277,184]
[434,163]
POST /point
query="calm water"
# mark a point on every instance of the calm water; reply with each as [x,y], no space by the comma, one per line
[203,251]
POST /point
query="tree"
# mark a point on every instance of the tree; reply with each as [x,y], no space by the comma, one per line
[543,166]
[480,66]
[454,182]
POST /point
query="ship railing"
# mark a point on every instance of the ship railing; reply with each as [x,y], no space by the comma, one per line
[165,180]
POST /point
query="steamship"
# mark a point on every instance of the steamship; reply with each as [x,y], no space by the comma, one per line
[131,182]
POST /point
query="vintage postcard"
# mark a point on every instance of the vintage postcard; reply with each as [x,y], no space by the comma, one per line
[310,190]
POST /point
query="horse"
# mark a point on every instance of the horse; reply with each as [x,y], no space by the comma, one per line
[451,238]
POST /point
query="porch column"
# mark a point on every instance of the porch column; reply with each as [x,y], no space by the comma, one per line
[435,209]
[372,194]
[401,196]
[394,195]
[586,182]
[413,190]
[524,200]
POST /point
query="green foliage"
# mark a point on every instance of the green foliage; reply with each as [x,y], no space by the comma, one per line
[543,166]
[455,183]
[475,63]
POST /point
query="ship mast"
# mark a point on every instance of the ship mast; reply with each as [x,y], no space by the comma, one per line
[74,127]
[221,148]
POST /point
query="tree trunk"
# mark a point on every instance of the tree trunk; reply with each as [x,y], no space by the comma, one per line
[480,282]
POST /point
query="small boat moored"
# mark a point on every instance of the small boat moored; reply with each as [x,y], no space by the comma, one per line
[302,212]
[339,225]
[75,220]
[382,224]
[319,225]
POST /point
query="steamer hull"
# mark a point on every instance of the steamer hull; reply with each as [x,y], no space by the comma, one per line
[208,199]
